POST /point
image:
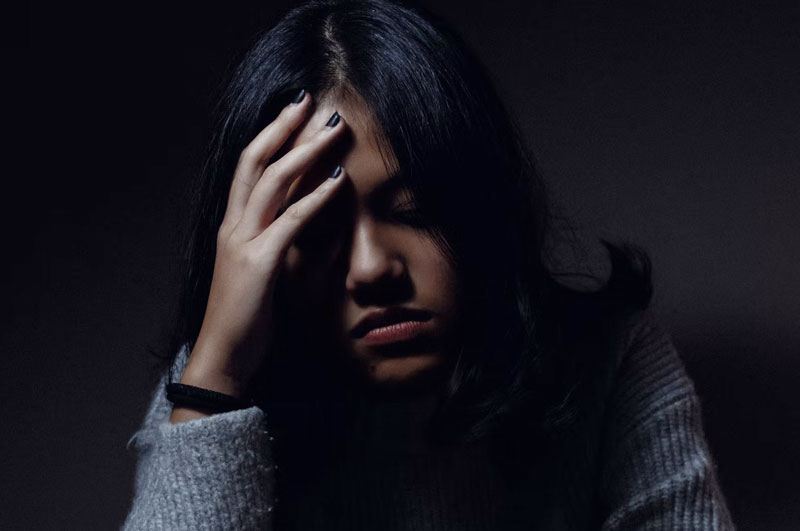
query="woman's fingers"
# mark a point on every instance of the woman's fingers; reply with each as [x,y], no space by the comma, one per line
[257,153]
[285,228]
[270,191]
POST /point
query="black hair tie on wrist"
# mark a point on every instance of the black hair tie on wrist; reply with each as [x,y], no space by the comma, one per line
[191,396]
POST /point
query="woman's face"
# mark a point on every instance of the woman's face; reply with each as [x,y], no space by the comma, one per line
[360,254]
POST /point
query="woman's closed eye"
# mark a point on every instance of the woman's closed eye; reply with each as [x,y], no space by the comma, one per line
[409,214]
[325,228]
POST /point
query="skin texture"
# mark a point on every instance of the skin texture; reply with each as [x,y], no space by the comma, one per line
[357,255]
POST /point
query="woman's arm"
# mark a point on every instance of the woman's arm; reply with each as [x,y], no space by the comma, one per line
[214,472]
[658,472]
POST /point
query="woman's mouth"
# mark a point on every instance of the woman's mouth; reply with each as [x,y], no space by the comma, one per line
[394,333]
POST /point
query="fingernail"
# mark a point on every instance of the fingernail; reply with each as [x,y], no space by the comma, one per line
[300,96]
[336,172]
[334,119]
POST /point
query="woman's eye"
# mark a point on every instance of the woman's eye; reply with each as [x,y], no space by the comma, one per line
[411,216]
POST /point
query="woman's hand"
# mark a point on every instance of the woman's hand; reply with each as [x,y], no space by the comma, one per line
[237,327]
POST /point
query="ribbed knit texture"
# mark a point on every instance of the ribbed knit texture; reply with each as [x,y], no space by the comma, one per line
[648,467]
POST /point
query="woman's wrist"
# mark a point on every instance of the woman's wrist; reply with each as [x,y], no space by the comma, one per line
[212,381]
[182,414]
[209,368]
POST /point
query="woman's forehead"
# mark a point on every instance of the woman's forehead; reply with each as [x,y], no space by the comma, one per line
[358,149]
[360,120]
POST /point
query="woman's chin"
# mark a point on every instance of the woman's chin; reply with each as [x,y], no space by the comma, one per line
[397,376]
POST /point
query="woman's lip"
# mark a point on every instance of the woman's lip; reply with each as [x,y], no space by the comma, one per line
[393,333]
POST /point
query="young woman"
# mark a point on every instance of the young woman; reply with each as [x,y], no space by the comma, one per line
[374,332]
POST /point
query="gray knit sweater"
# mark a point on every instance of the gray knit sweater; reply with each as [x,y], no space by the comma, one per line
[652,468]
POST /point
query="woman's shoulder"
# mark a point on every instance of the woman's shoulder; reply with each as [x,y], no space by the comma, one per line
[651,378]
[656,459]
[616,344]
[647,351]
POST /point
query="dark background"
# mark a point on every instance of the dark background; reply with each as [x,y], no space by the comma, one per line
[672,124]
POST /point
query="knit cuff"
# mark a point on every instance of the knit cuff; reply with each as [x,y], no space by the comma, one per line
[209,473]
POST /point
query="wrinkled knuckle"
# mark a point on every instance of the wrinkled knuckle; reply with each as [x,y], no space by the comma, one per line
[285,117]
[269,172]
[246,157]
[295,211]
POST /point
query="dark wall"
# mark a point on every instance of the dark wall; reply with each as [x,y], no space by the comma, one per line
[672,124]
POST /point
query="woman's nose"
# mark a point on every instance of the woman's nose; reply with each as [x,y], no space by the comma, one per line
[374,263]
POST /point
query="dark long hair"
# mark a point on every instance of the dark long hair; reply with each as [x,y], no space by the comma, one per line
[535,351]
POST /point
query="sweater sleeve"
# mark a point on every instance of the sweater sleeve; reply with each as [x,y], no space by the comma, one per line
[658,472]
[212,473]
